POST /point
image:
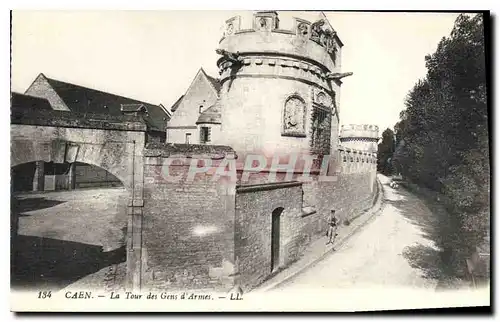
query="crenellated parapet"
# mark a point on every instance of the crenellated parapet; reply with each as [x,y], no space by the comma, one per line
[356,161]
[359,136]
[359,131]
[311,49]
[286,83]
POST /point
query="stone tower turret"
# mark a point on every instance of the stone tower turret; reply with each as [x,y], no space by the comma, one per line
[280,88]
[360,137]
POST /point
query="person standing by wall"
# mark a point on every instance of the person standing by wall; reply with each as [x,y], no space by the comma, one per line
[332,228]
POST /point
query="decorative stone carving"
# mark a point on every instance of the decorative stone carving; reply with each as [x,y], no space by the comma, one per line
[338,76]
[316,30]
[265,20]
[329,43]
[324,37]
[232,26]
[303,29]
[263,23]
[294,114]
[232,57]
[321,98]
[229,29]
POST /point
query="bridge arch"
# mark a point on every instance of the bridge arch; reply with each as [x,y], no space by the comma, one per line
[86,154]
[119,151]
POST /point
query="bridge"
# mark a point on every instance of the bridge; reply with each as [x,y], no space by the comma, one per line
[114,144]
[161,245]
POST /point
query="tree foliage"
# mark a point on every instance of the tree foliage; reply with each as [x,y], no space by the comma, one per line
[385,152]
[442,136]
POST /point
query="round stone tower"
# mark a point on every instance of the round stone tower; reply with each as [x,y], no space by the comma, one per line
[360,137]
[280,88]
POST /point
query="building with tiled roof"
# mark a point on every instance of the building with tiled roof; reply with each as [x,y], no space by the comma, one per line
[22,102]
[195,116]
[70,97]
[49,100]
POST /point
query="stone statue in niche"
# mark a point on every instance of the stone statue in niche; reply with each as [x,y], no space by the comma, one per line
[230,29]
[294,115]
[263,23]
[303,29]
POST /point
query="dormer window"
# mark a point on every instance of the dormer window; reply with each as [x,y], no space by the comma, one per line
[133,109]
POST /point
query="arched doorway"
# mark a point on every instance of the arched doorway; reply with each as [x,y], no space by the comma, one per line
[275,238]
[65,236]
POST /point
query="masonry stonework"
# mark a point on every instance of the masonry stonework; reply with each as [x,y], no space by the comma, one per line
[253,231]
[61,137]
[261,69]
[278,93]
[188,227]
[360,136]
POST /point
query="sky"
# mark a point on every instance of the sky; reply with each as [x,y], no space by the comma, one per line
[154,55]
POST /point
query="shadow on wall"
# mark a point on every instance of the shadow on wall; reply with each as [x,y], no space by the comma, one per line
[40,262]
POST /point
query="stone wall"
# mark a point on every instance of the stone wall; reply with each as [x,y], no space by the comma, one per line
[87,175]
[202,234]
[304,220]
[349,196]
[254,122]
[115,147]
[253,230]
[107,149]
[270,96]
[188,227]
[349,189]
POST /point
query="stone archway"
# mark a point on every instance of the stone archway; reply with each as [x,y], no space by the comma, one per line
[118,152]
[69,237]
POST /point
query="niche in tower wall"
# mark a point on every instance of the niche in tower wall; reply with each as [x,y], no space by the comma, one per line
[294,113]
[320,130]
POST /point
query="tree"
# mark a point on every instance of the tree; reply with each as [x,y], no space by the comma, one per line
[442,136]
[385,152]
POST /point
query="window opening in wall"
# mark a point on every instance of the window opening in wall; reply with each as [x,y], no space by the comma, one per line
[204,134]
[320,136]
[188,138]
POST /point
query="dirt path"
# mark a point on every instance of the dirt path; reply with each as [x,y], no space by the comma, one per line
[396,249]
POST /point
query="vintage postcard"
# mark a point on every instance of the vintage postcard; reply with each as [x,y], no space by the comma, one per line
[251,161]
